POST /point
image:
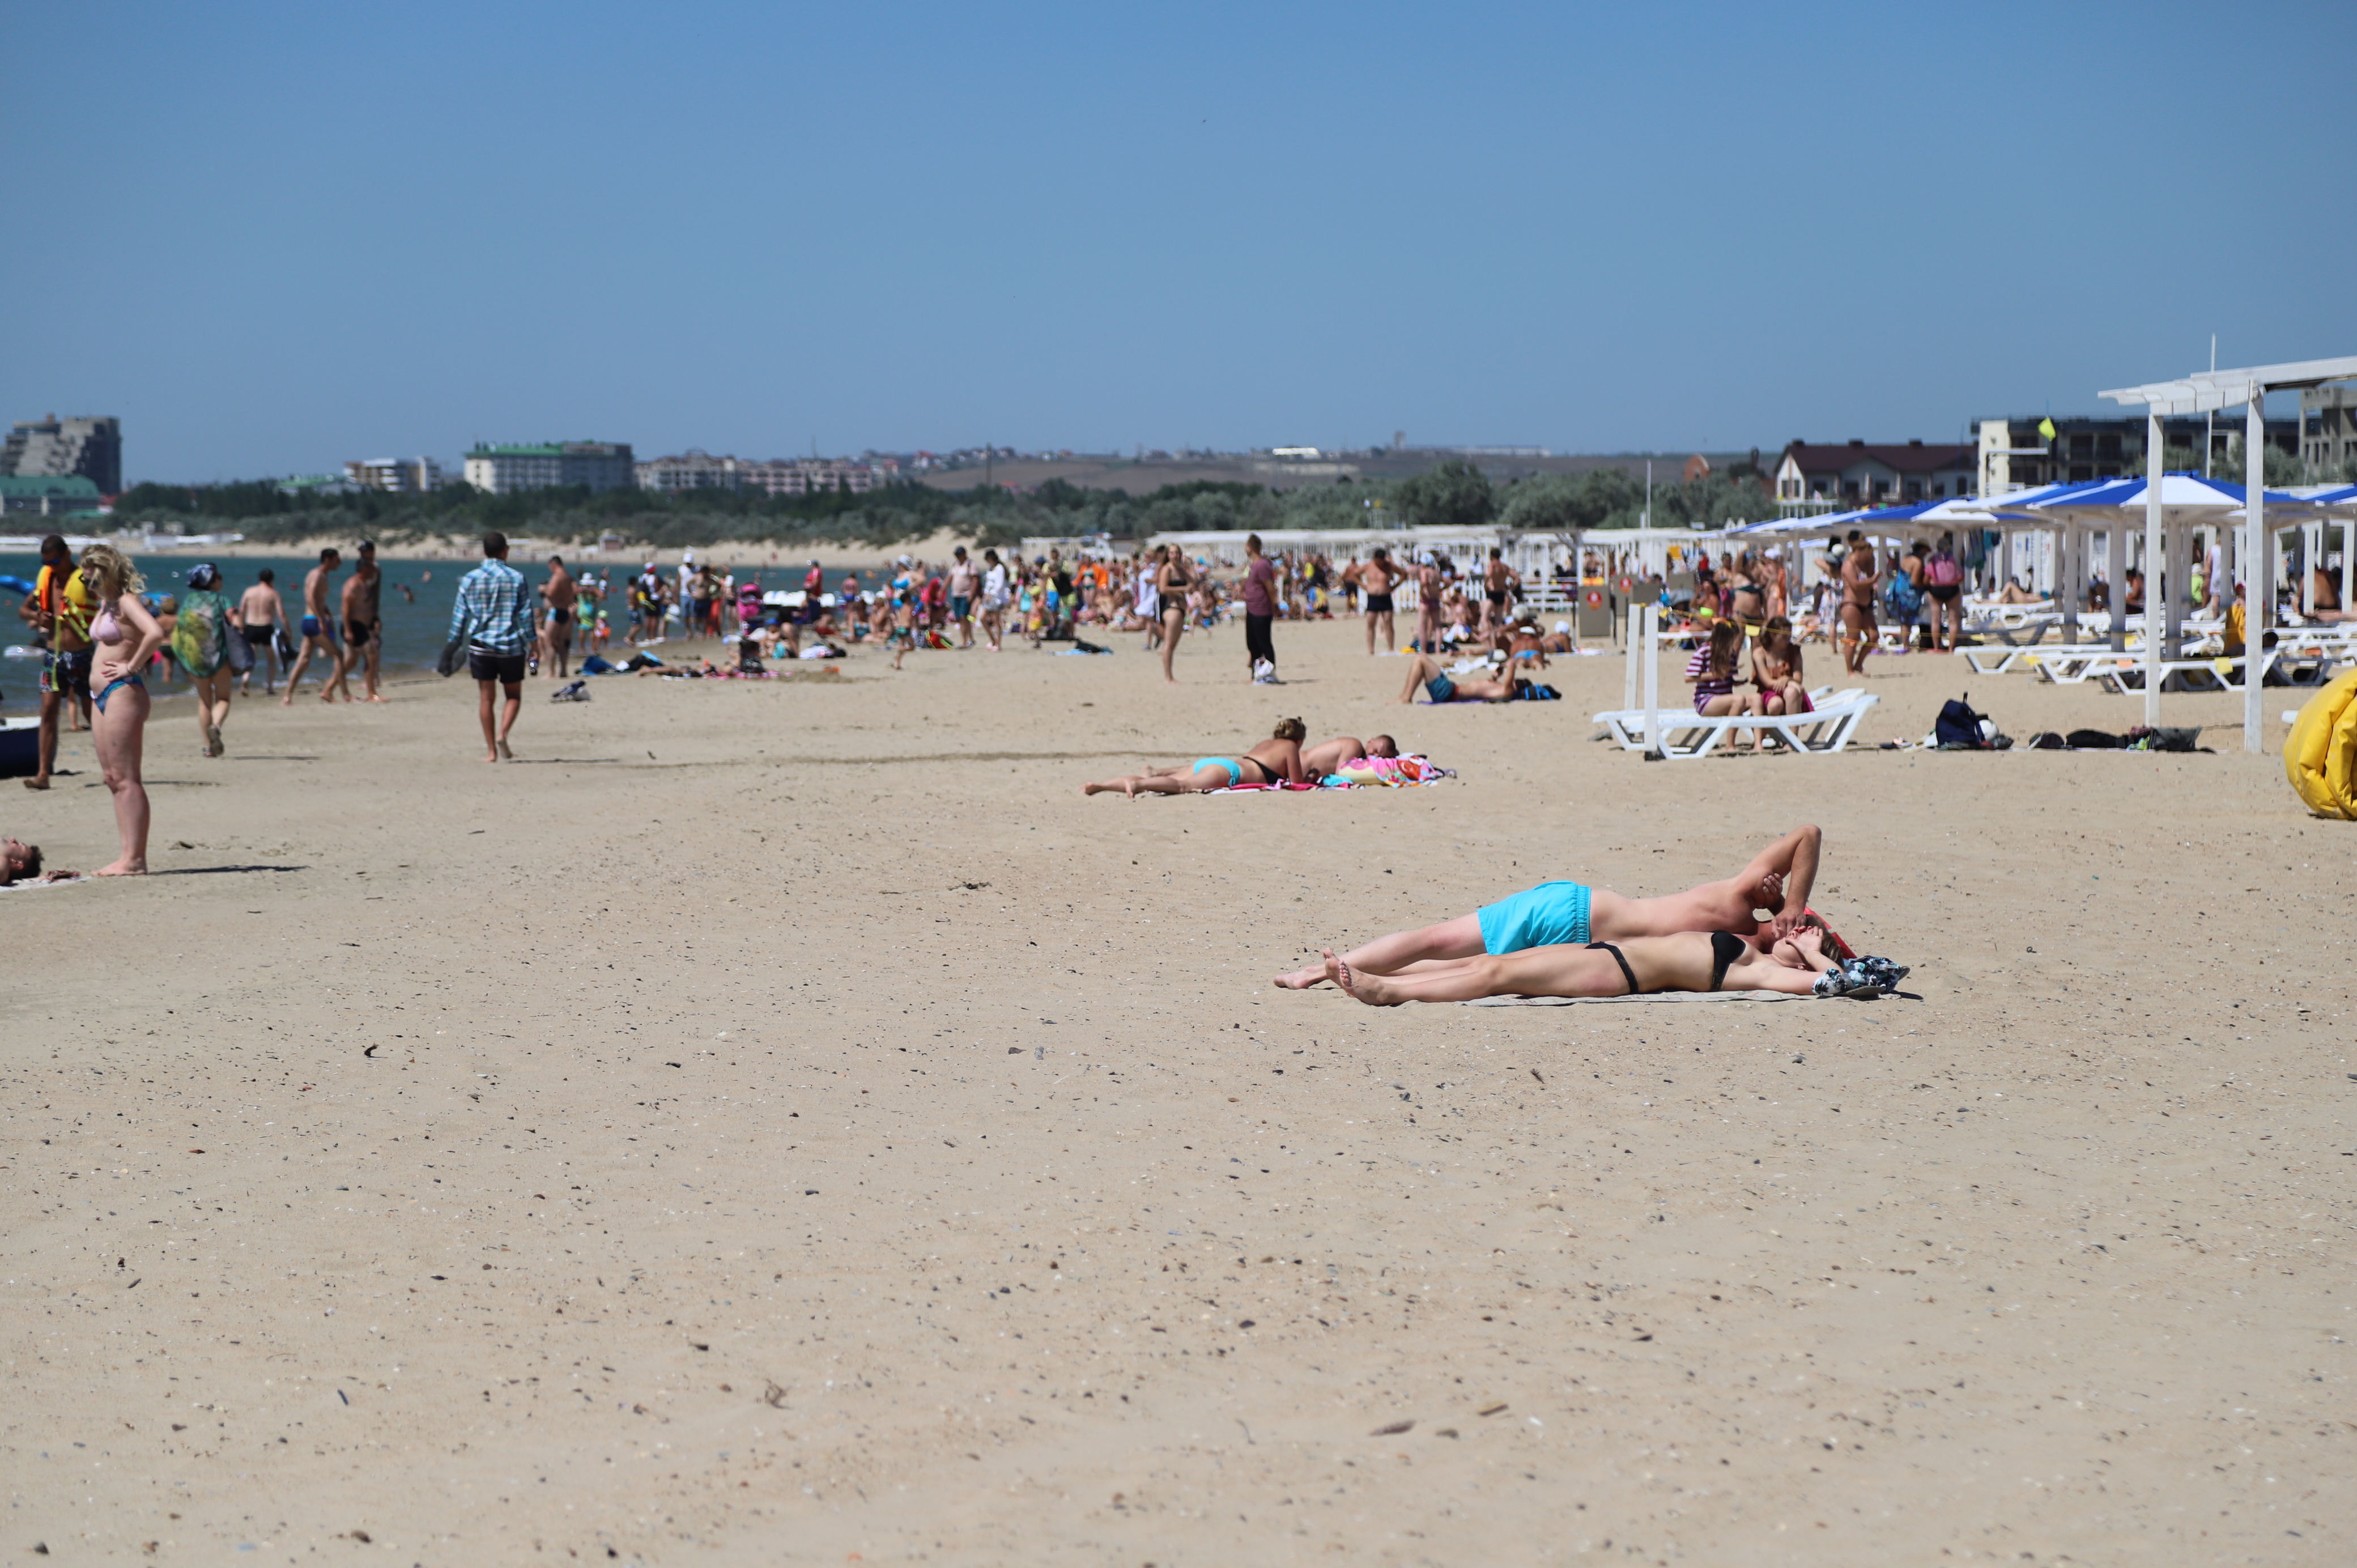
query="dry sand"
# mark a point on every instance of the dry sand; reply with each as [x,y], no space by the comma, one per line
[785,1123]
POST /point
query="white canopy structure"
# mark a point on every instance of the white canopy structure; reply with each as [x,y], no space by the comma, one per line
[2202,392]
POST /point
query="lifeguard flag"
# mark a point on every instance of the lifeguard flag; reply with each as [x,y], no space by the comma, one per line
[2046,430]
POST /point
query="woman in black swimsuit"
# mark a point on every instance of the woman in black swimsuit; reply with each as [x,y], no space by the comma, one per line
[1689,960]
[1746,602]
[1276,760]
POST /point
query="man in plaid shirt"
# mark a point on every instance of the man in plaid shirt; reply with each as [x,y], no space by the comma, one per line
[494,613]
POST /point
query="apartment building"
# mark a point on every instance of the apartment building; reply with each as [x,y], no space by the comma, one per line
[90,447]
[598,464]
[2017,452]
[694,469]
[396,476]
[2327,429]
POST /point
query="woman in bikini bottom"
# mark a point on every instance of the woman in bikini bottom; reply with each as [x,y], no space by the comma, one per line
[1276,760]
[1688,961]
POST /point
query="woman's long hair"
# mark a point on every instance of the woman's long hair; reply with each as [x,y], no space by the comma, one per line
[1725,639]
[109,572]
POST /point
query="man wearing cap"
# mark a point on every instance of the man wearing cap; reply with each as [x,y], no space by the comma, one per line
[363,630]
[493,613]
[59,609]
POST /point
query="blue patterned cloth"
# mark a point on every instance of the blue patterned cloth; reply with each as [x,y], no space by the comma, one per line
[493,610]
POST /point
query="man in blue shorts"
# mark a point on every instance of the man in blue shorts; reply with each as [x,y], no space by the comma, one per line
[1777,880]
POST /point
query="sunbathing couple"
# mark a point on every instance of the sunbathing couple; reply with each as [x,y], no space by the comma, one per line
[1280,759]
[1561,938]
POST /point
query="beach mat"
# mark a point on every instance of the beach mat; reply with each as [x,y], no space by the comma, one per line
[1648,996]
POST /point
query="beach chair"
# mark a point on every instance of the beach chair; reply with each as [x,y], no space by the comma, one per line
[2212,674]
[1830,727]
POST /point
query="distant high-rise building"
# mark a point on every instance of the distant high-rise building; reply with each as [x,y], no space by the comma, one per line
[54,448]
[2328,428]
[503,470]
[398,476]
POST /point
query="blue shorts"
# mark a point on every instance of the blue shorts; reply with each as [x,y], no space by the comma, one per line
[1545,916]
[1440,689]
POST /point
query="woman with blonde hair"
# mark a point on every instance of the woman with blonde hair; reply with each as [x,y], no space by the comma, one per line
[124,637]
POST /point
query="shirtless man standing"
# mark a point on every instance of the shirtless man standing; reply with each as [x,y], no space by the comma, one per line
[318,630]
[1375,579]
[1427,604]
[363,632]
[561,594]
[260,613]
[1497,579]
[1778,879]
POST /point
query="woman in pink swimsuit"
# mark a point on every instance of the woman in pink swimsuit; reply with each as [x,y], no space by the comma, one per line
[124,636]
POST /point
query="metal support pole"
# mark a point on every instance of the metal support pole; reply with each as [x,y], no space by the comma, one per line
[2073,594]
[2153,474]
[2258,565]
[1629,671]
[2311,559]
[1650,640]
[2180,565]
[2116,574]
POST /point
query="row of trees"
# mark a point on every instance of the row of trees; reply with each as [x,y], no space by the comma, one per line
[1456,494]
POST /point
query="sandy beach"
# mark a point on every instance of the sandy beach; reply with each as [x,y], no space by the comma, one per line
[784,1122]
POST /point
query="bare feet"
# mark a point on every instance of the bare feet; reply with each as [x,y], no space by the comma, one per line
[506,755]
[1302,978]
[122,868]
[1366,988]
[40,783]
[490,756]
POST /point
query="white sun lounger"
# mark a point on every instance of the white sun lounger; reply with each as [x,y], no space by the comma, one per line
[1685,733]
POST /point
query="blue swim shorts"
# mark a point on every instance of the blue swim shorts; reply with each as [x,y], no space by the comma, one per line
[1440,689]
[1545,915]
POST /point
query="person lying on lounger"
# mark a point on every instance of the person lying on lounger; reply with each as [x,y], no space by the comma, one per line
[1426,671]
[1276,760]
[1690,960]
[1779,879]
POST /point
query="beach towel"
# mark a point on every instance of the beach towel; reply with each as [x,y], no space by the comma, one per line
[55,881]
[1641,996]
[1387,772]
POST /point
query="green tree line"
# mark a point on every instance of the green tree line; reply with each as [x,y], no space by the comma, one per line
[1455,494]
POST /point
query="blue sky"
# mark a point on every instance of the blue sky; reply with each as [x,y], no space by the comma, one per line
[275,237]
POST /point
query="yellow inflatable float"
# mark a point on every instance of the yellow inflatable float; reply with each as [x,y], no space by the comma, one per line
[2320,754]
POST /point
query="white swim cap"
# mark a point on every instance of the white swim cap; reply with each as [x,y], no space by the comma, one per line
[1564,627]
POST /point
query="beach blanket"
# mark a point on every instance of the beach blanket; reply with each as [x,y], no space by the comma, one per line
[1366,773]
[56,882]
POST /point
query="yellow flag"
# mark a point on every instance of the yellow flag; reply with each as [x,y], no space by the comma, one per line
[2046,430]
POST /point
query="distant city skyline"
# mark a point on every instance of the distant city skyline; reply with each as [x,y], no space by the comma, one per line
[1589,230]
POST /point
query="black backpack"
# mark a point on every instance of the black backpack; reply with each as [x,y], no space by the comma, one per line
[1958,728]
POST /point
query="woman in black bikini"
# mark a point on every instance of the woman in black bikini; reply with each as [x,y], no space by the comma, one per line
[1276,760]
[1689,960]
[1747,601]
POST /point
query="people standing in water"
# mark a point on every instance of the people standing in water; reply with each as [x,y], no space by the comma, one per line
[59,611]
[1376,579]
[123,637]
[561,594]
[261,615]
[1276,760]
[363,622]
[317,627]
[493,613]
[201,638]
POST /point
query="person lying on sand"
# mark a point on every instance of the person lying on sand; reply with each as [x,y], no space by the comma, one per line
[1276,760]
[21,862]
[1329,757]
[1779,879]
[1690,960]
[1425,670]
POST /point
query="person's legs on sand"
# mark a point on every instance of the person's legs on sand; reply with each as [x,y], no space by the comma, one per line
[1456,939]
[120,738]
[1174,623]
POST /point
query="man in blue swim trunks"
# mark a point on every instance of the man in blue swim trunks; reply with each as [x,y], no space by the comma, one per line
[1778,880]
[1426,671]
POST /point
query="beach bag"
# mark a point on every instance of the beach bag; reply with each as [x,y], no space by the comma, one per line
[1903,597]
[240,652]
[1958,728]
[454,656]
